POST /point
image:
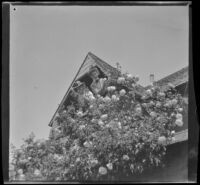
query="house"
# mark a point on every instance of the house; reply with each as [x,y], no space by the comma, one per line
[176,158]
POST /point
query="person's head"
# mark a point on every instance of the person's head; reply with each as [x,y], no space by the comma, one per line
[94,72]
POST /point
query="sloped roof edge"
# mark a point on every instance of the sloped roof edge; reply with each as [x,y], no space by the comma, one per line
[65,96]
[176,78]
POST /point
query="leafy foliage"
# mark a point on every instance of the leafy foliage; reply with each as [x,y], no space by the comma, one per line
[120,135]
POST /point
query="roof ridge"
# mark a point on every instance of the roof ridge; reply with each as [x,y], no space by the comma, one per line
[99,59]
[164,78]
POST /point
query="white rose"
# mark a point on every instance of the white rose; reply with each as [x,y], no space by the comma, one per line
[79,113]
[173,132]
[110,166]
[143,97]
[119,125]
[179,116]
[148,92]
[174,102]
[144,104]
[108,88]
[22,177]
[120,80]
[180,110]
[104,117]
[20,171]
[101,106]
[114,97]
[125,157]
[107,99]
[102,171]
[81,127]
[161,94]
[158,104]
[162,140]
[133,85]
[179,122]
[138,110]
[100,123]
[94,162]
[78,159]
[172,114]
[129,76]
[113,88]
[93,120]
[122,92]
[153,114]
[37,172]
[87,144]
[151,103]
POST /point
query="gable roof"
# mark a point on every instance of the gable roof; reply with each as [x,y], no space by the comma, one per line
[90,60]
[177,78]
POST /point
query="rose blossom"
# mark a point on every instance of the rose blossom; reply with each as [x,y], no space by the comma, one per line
[133,85]
[119,125]
[22,177]
[173,132]
[162,140]
[111,88]
[129,76]
[100,122]
[125,157]
[104,117]
[101,106]
[107,99]
[110,166]
[87,144]
[179,116]
[179,122]
[161,94]
[94,162]
[122,92]
[79,113]
[37,172]
[81,127]
[158,104]
[174,102]
[102,170]
[153,114]
[180,110]
[78,159]
[120,80]
[148,92]
[20,171]
[114,97]
[138,110]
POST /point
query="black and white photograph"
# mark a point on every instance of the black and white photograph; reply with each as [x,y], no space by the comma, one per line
[98,93]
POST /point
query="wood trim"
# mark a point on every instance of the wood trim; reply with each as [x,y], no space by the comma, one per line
[180,137]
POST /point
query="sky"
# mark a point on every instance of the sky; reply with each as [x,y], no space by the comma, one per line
[49,43]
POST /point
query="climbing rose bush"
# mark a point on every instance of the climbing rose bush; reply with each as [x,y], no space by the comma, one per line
[121,135]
